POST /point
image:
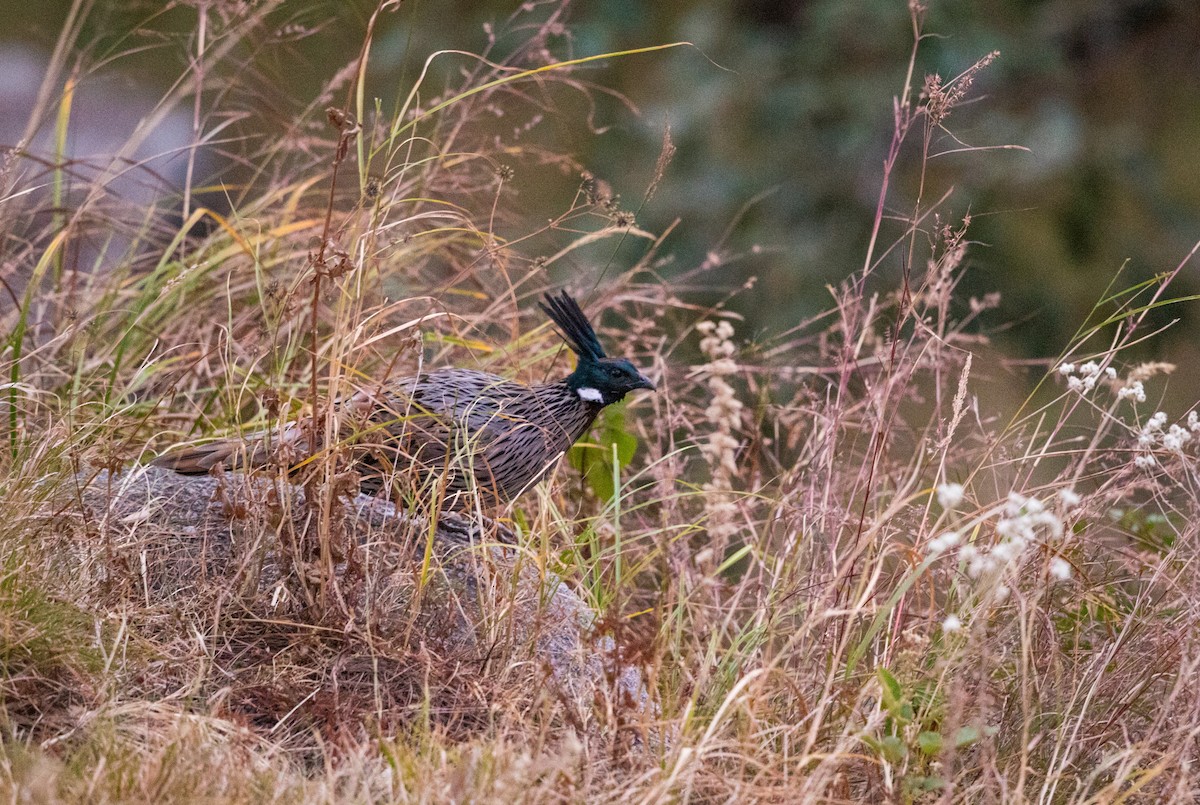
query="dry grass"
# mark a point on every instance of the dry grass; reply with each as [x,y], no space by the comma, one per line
[850,564]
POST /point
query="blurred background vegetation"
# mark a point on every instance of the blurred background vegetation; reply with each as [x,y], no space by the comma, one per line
[782,118]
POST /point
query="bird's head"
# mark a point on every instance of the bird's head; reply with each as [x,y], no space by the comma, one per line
[607,380]
[597,378]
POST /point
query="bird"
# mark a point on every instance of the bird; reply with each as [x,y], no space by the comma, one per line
[452,435]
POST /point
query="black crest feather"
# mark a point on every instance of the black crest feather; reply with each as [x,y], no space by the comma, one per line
[576,330]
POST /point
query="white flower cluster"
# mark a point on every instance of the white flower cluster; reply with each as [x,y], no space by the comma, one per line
[1133,390]
[1083,378]
[1154,438]
[943,543]
[1021,524]
[1060,568]
[718,347]
[950,496]
[1155,435]
[724,410]
[724,414]
[1070,499]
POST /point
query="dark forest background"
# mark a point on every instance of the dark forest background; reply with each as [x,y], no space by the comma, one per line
[782,116]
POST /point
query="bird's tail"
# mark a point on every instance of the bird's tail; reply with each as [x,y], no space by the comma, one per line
[576,330]
[252,451]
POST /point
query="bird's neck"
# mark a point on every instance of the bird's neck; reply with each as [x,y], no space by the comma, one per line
[576,389]
[583,387]
[562,390]
[570,412]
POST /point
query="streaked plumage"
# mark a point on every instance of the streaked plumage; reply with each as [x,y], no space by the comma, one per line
[472,431]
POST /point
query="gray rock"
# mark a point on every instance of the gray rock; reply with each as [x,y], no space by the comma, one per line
[333,593]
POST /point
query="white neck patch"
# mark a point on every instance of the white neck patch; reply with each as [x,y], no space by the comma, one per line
[590,394]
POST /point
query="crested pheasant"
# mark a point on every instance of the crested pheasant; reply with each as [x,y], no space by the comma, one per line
[475,432]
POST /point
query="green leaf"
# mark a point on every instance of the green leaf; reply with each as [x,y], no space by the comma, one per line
[966,736]
[594,458]
[893,694]
[894,749]
[930,743]
[924,784]
[969,735]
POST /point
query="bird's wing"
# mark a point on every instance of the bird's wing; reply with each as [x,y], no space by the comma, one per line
[471,423]
[479,402]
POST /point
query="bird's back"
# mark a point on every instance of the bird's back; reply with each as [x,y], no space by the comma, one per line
[476,431]
[459,431]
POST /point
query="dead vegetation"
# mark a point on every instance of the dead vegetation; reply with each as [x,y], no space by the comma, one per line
[847,561]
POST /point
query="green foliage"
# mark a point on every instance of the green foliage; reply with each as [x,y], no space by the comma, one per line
[912,737]
[41,635]
[595,459]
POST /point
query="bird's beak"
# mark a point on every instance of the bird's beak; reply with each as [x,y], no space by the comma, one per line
[645,382]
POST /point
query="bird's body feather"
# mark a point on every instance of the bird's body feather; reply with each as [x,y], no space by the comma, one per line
[478,431]
[444,435]
[472,430]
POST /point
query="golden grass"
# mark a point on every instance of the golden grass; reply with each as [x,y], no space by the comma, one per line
[775,558]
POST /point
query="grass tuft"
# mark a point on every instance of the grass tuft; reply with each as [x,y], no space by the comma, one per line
[864,559]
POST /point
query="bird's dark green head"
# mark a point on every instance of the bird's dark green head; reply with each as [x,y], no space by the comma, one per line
[597,378]
[607,380]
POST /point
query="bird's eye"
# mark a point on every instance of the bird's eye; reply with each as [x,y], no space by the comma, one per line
[613,371]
